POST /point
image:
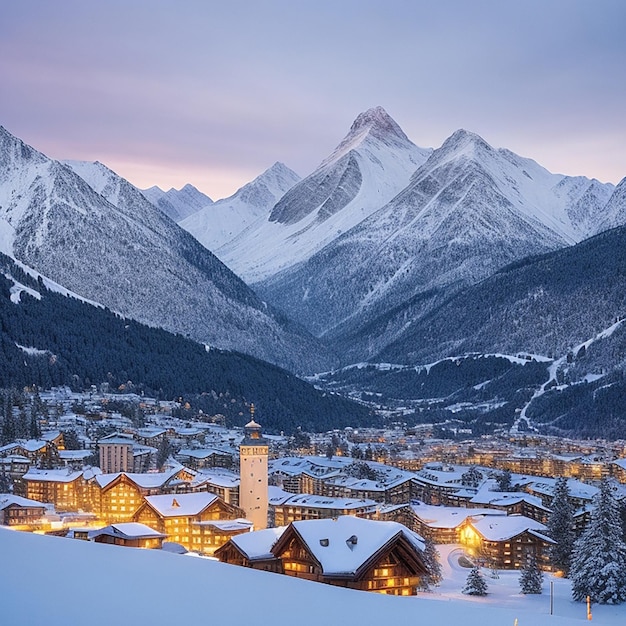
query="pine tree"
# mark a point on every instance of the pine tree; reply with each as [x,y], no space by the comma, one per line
[22,424]
[472,477]
[598,567]
[34,430]
[5,483]
[71,440]
[504,480]
[531,578]
[475,585]
[163,452]
[561,527]
[430,556]
[9,427]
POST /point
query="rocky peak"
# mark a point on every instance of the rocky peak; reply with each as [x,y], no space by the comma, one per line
[378,123]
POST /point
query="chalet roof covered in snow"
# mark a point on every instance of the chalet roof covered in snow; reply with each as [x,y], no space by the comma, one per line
[117,440]
[345,544]
[74,455]
[438,474]
[228,525]
[151,480]
[127,530]
[449,516]
[313,465]
[9,499]
[203,453]
[501,528]
[181,504]
[218,477]
[577,489]
[257,545]
[487,494]
[53,475]
[50,435]
[324,502]
[34,445]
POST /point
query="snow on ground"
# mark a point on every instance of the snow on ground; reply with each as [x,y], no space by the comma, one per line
[56,581]
[18,288]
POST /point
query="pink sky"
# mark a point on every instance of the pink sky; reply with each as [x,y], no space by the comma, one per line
[213,93]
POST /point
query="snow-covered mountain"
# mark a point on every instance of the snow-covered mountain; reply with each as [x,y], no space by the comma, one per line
[177,204]
[368,168]
[109,244]
[468,210]
[215,225]
[614,213]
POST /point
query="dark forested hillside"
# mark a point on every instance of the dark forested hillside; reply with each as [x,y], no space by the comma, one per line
[544,305]
[49,339]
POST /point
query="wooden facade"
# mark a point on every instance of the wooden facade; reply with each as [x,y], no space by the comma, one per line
[199,530]
[129,535]
[17,511]
[231,553]
[507,550]
[395,569]
[63,489]
[120,499]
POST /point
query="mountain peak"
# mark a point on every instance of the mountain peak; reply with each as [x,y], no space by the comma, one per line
[14,150]
[280,168]
[377,122]
[464,138]
[465,145]
[268,187]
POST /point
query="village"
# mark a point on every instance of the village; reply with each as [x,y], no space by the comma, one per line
[356,508]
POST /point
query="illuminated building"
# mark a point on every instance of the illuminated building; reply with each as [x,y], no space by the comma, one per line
[384,557]
[201,522]
[129,534]
[506,542]
[368,555]
[253,457]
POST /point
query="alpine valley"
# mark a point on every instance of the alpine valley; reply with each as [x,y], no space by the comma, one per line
[464,286]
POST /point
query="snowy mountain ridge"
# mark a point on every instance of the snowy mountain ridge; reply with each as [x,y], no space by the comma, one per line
[467,211]
[215,225]
[369,167]
[177,204]
[112,246]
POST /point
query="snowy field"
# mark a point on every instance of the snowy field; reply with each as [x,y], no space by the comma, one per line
[55,581]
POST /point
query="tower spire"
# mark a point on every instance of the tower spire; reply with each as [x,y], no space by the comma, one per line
[253,458]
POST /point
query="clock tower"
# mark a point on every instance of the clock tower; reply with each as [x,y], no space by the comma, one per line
[253,456]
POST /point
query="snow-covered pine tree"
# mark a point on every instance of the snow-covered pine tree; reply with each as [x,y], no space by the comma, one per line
[471,477]
[561,527]
[163,452]
[598,565]
[531,577]
[433,565]
[475,585]
[504,480]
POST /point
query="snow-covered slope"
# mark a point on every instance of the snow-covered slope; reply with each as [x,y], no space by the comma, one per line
[469,210]
[614,213]
[368,168]
[217,224]
[161,588]
[177,204]
[110,245]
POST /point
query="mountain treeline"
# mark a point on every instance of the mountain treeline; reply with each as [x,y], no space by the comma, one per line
[59,340]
